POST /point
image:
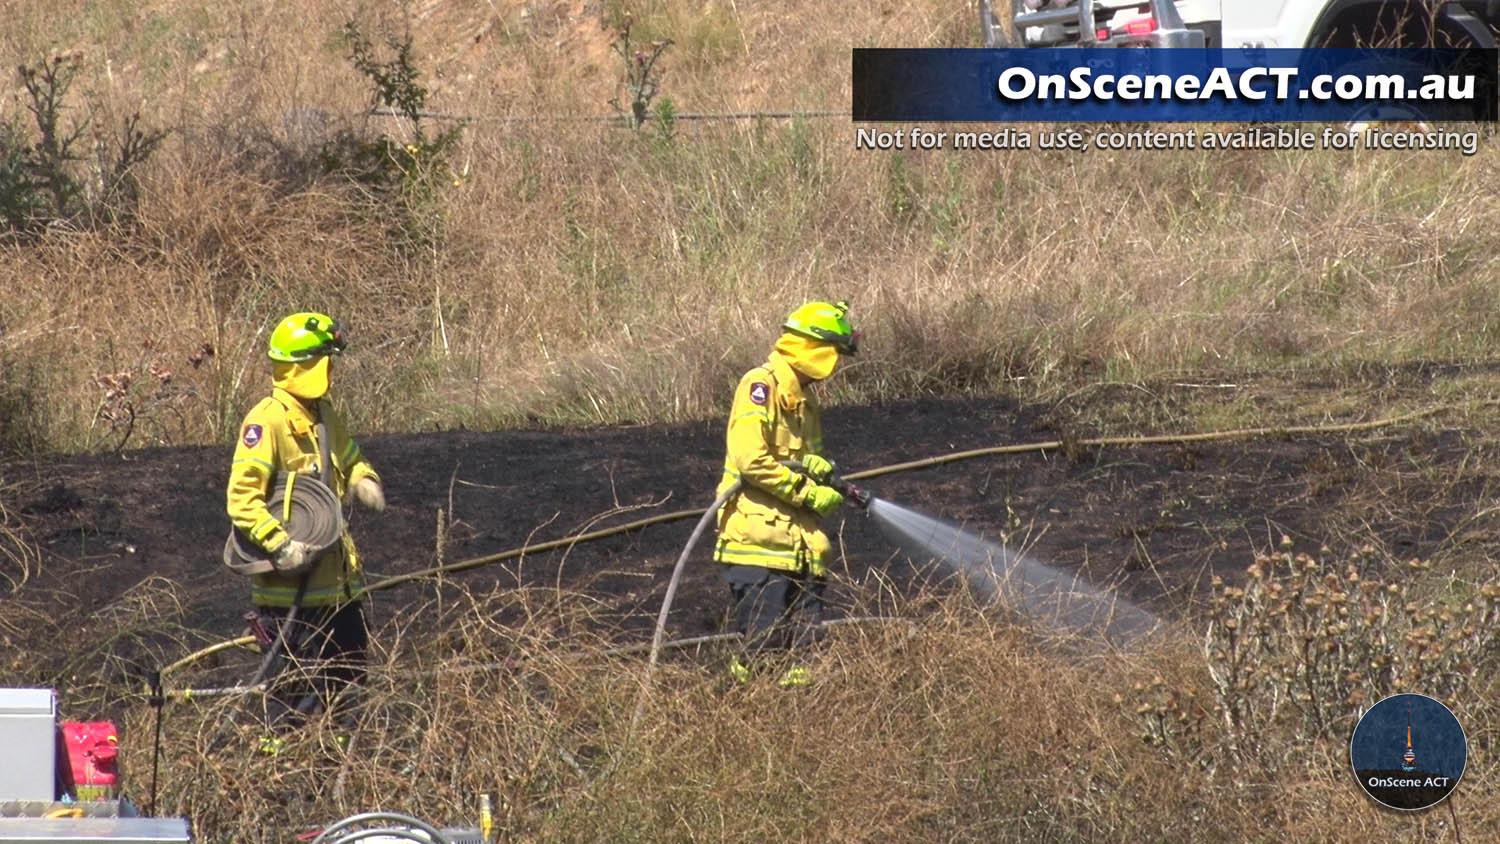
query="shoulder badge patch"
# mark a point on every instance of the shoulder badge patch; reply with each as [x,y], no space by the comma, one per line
[252,435]
[760,392]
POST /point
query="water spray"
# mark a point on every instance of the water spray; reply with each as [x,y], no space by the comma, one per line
[999,574]
[1013,578]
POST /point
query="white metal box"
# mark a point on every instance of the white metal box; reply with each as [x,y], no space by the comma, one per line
[116,830]
[28,734]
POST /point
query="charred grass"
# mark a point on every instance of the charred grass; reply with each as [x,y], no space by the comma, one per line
[951,721]
[946,720]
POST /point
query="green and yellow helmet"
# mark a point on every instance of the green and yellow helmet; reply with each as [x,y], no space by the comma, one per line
[828,322]
[305,336]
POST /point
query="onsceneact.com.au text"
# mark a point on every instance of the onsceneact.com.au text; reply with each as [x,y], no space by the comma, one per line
[1251,83]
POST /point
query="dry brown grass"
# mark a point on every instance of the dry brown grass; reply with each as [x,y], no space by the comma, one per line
[20,561]
[583,273]
[949,721]
[958,727]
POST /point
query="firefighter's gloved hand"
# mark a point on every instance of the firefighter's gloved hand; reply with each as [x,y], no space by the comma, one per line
[818,468]
[367,491]
[294,556]
[823,499]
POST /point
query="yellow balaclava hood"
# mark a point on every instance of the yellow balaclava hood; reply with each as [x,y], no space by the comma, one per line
[305,380]
[813,358]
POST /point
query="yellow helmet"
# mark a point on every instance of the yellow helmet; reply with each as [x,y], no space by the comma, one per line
[304,336]
[828,322]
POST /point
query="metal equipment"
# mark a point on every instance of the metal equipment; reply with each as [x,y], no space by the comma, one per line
[28,732]
[393,828]
[115,830]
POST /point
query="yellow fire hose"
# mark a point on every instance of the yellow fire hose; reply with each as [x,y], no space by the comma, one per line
[208,651]
[1049,445]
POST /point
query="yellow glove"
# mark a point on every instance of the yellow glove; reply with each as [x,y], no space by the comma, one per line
[823,499]
[367,491]
[818,468]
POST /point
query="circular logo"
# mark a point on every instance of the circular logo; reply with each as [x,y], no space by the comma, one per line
[1408,752]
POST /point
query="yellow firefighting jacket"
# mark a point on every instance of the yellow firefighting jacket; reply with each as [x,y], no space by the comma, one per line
[765,524]
[279,435]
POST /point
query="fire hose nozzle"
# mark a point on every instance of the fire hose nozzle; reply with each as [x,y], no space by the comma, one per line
[856,495]
[853,494]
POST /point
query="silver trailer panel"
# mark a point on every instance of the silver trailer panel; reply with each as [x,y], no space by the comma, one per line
[116,830]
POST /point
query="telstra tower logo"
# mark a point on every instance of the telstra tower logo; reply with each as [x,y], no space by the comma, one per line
[1408,752]
[1409,758]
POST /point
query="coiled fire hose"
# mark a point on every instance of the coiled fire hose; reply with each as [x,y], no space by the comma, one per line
[928,462]
[394,826]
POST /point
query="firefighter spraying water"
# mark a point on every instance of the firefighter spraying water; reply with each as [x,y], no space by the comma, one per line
[777,486]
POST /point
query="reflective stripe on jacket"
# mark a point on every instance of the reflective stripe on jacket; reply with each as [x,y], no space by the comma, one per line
[279,435]
[765,524]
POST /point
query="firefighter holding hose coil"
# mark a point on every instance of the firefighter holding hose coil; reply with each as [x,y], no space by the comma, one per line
[771,538]
[307,598]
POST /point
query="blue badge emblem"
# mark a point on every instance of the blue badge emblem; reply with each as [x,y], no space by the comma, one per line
[760,392]
[252,435]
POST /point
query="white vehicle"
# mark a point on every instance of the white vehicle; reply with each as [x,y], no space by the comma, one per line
[1239,23]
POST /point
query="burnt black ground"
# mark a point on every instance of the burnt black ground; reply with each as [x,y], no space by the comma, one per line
[1155,522]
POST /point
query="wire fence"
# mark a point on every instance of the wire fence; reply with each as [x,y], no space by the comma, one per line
[622,119]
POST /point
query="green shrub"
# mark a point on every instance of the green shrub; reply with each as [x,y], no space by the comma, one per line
[403,175]
[59,170]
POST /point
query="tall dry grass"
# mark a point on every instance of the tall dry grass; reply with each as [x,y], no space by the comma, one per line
[578,273]
[947,720]
[959,725]
[571,272]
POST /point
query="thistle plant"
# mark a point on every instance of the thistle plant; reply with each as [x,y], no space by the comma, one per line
[642,78]
[1302,648]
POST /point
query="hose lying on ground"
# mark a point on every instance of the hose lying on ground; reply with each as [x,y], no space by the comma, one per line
[621,650]
[1049,445]
[951,457]
[666,604]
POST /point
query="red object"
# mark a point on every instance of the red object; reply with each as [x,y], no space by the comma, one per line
[1141,26]
[93,756]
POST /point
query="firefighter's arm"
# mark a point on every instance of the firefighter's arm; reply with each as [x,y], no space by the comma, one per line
[812,427]
[818,464]
[360,479]
[250,477]
[749,438]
